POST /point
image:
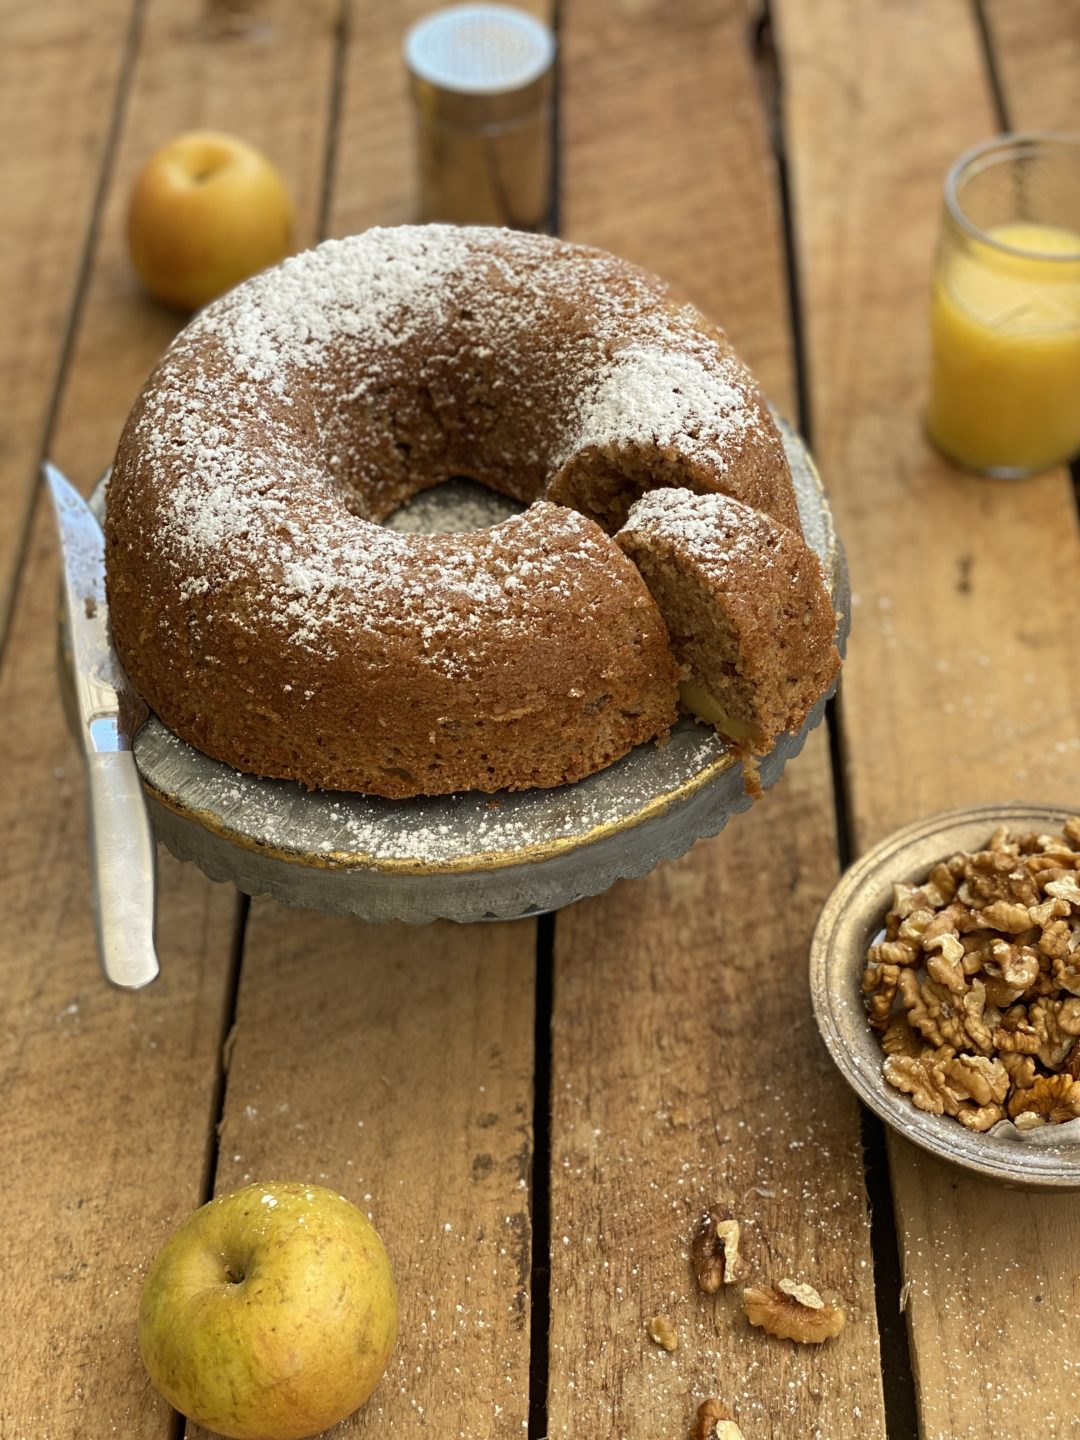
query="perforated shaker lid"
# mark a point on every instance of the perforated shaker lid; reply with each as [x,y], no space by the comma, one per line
[480,61]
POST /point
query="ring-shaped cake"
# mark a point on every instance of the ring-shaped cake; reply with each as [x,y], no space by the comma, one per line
[268,618]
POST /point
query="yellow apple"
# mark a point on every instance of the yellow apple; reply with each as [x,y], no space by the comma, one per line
[270,1314]
[207,210]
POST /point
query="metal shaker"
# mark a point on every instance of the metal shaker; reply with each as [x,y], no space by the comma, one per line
[482,79]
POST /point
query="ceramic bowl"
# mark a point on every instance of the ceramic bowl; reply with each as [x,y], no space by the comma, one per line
[1047,1158]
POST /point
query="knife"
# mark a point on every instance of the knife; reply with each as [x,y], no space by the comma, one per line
[122,849]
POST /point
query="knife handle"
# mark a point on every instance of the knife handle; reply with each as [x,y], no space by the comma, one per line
[123,859]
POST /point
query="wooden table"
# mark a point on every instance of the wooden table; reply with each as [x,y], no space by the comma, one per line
[535,1114]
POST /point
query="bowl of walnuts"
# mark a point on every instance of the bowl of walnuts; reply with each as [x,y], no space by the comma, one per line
[945,977]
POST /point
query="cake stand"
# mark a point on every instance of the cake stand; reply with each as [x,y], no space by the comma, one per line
[470,856]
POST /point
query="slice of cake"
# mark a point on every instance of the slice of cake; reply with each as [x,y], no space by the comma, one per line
[747,611]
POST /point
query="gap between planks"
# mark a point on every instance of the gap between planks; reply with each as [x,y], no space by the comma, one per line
[540,1182]
[897,1373]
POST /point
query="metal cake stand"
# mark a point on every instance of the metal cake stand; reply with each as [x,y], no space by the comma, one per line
[470,856]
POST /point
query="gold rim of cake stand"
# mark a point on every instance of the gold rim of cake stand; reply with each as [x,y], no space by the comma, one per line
[483,860]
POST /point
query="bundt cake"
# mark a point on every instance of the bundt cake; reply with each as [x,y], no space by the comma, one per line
[269,619]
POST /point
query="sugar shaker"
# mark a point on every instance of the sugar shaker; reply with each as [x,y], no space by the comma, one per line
[482,79]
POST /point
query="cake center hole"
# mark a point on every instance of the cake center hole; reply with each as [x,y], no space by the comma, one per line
[454,507]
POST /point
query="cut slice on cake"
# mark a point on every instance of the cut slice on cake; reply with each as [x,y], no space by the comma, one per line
[746,607]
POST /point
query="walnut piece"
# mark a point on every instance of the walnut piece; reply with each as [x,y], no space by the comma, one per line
[793,1311]
[1067,888]
[714,1252]
[975,989]
[1004,915]
[1021,1069]
[979,1079]
[901,1039]
[1028,1120]
[661,1332]
[879,992]
[980,1117]
[1057,1024]
[714,1422]
[923,1078]
[1054,1097]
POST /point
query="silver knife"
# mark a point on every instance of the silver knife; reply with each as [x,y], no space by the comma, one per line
[122,851]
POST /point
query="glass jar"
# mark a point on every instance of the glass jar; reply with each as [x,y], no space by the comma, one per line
[1005,307]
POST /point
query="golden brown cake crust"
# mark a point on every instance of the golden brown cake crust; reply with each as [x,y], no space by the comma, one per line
[267,618]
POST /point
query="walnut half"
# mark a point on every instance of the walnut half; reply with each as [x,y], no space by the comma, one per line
[661,1332]
[1055,1098]
[714,1422]
[714,1252]
[793,1311]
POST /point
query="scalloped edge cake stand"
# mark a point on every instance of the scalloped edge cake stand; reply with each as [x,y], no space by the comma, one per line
[470,856]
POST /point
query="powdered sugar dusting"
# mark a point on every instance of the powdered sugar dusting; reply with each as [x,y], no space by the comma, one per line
[302,409]
[383,285]
[654,394]
[246,401]
[713,529]
[456,508]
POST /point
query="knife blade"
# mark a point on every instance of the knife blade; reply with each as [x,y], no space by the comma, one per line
[122,847]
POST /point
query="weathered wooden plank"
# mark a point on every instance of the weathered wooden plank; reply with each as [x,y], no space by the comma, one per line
[403,1056]
[682,1077]
[60,67]
[954,691]
[664,168]
[687,1074]
[109,1099]
[1036,48]
[394,1063]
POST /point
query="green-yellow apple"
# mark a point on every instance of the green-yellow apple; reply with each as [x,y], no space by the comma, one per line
[270,1313]
[207,211]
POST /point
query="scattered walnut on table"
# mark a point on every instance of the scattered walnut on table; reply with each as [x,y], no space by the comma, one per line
[713,1422]
[791,1310]
[974,988]
[661,1332]
[714,1252]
